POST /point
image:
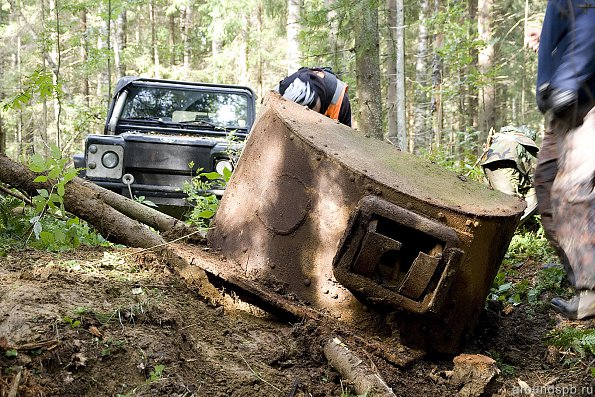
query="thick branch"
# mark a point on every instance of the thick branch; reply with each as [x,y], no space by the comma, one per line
[85,203]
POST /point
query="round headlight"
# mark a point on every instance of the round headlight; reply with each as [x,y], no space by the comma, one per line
[110,160]
[222,164]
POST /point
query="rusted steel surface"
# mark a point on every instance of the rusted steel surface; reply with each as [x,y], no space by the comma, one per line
[380,239]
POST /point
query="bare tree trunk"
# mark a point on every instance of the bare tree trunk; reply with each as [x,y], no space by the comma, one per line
[437,70]
[216,35]
[423,133]
[171,39]
[242,59]
[122,31]
[333,22]
[485,61]
[397,123]
[294,8]
[471,109]
[154,44]
[401,91]
[120,44]
[367,62]
[391,66]
[186,19]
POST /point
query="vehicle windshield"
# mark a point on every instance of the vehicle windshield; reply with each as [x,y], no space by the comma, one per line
[203,108]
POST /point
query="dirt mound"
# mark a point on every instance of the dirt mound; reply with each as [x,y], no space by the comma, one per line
[109,323]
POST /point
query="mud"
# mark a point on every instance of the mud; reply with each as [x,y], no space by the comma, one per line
[108,323]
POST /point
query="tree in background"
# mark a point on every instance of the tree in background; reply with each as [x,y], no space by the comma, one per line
[58,73]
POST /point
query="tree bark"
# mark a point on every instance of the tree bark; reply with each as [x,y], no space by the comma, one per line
[423,136]
[485,63]
[293,30]
[397,122]
[367,63]
[354,370]
[437,71]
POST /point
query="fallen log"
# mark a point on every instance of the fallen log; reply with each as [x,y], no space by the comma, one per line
[353,369]
[115,217]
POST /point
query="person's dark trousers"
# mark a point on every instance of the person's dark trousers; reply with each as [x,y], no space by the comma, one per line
[564,182]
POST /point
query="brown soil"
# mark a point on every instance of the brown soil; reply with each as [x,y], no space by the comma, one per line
[106,322]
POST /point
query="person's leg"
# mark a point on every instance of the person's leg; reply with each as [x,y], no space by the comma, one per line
[503,176]
[573,201]
[573,204]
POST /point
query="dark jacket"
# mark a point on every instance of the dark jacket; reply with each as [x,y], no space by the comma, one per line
[566,57]
[318,84]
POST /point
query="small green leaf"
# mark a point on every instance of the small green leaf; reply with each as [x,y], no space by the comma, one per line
[43,193]
[206,214]
[60,190]
[54,173]
[41,178]
[37,163]
[11,353]
[211,175]
[56,153]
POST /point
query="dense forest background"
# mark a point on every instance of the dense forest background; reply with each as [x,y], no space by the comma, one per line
[431,76]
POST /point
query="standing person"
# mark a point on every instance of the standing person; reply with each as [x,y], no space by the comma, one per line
[320,90]
[565,175]
[509,164]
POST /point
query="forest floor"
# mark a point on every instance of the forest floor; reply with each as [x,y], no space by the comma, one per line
[108,322]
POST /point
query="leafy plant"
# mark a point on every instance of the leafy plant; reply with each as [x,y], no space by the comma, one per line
[11,353]
[198,191]
[73,323]
[143,200]
[578,340]
[55,172]
[156,373]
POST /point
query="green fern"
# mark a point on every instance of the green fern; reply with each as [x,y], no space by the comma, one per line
[581,341]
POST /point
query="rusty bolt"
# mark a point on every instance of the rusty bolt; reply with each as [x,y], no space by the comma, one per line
[307,282]
[476,224]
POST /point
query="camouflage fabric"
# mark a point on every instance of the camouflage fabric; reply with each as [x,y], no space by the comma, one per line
[564,181]
[509,164]
[513,146]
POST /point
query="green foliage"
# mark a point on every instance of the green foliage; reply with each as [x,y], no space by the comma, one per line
[73,323]
[55,171]
[156,373]
[205,203]
[578,340]
[527,245]
[11,353]
[507,369]
[56,234]
[39,83]
[143,200]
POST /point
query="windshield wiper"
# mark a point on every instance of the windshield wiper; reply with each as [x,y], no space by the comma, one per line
[149,118]
[203,123]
